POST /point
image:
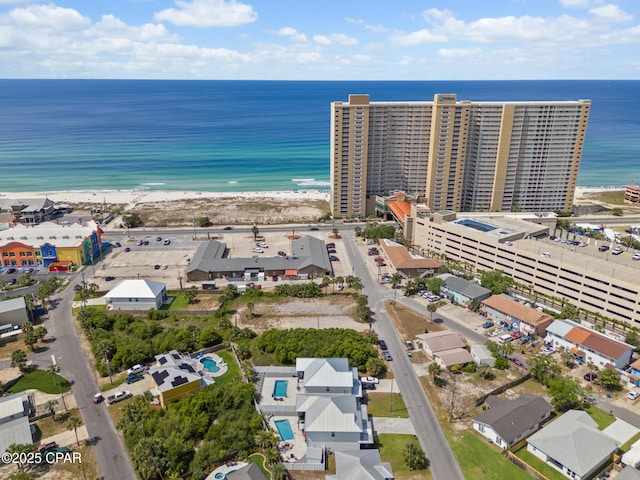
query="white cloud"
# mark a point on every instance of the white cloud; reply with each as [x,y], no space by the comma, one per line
[341,39]
[575,3]
[208,13]
[612,13]
[373,28]
[459,52]
[48,17]
[292,33]
[417,38]
[322,40]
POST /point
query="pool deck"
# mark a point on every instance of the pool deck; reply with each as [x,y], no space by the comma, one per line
[296,447]
[268,388]
[219,361]
[224,470]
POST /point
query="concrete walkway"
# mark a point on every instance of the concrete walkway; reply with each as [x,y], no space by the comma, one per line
[393,425]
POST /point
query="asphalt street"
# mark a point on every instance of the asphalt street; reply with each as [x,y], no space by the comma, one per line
[443,464]
[113,462]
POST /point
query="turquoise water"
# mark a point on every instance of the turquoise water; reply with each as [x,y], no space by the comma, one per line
[284,429]
[244,136]
[280,388]
[210,365]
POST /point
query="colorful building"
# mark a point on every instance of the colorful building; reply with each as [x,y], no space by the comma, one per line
[37,246]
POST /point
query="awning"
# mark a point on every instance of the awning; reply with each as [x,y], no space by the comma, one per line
[577,352]
[291,273]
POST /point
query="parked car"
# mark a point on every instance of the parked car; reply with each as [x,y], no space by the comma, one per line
[136,377]
[409,344]
[97,398]
[146,242]
[590,377]
[636,256]
[387,356]
[331,245]
[333,258]
[282,254]
[137,368]
[603,248]
[519,363]
[166,241]
[164,267]
[156,267]
[117,244]
[109,278]
[331,250]
[48,447]
[127,249]
[370,380]
[383,344]
[548,350]
[633,395]
[263,245]
[546,254]
[257,250]
[487,324]
[616,251]
[313,228]
[140,242]
[12,281]
[158,239]
[227,228]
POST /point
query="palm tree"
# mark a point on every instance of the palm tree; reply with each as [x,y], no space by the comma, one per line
[356,283]
[72,424]
[263,439]
[326,280]
[431,308]
[434,369]
[19,359]
[271,455]
[250,306]
[506,348]
[279,472]
[485,371]
[51,406]
[20,448]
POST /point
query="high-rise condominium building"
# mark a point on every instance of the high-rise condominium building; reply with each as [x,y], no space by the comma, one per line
[456,155]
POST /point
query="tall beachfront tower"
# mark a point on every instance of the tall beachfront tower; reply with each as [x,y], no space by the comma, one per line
[456,155]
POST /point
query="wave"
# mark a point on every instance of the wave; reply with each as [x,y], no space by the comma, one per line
[308,182]
[232,182]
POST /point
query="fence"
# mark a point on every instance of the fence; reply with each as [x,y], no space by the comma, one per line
[524,466]
[305,466]
[275,371]
[284,410]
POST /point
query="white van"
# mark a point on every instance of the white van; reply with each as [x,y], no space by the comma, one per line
[505,338]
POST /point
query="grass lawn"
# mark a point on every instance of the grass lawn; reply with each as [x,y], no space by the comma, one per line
[602,418]
[233,374]
[116,383]
[614,197]
[180,302]
[533,461]
[626,446]
[41,380]
[391,447]
[381,405]
[89,464]
[479,460]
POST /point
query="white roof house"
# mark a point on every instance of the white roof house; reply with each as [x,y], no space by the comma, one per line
[573,444]
[14,421]
[322,376]
[136,295]
[13,311]
[361,465]
[175,376]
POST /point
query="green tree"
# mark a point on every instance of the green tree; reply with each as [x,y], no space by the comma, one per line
[435,284]
[565,392]
[150,458]
[432,307]
[41,332]
[632,337]
[250,305]
[414,456]
[568,358]
[357,284]
[376,367]
[74,423]
[610,379]
[496,281]
[264,439]
[326,280]
[27,327]
[131,220]
[279,472]
[20,448]
[570,312]
[51,406]
[435,369]
[19,360]
[335,232]
[485,371]
[204,221]
[255,232]
[363,313]
[30,340]
[190,294]
[543,367]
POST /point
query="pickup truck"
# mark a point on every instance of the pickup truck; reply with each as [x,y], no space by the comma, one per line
[118,396]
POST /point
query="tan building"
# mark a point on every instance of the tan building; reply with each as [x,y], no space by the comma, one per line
[523,318]
[632,194]
[591,280]
[407,264]
[456,155]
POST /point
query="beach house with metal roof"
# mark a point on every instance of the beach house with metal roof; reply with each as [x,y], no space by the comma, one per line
[308,259]
[506,422]
[174,376]
[573,445]
[327,376]
[588,345]
[361,465]
[499,308]
[136,295]
[14,421]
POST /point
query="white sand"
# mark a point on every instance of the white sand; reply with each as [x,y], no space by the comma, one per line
[582,191]
[133,197]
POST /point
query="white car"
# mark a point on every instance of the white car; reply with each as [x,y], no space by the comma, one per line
[263,245]
[370,380]
[616,251]
[545,254]
[636,256]
[633,395]
[258,250]
[548,350]
[135,369]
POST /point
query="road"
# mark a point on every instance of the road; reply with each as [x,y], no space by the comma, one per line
[434,443]
[113,461]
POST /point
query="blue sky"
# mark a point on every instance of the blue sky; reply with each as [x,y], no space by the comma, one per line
[320,40]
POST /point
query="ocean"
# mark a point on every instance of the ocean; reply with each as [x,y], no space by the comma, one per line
[60,135]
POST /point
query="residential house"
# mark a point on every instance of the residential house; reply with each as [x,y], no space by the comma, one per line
[588,345]
[461,291]
[174,376]
[13,311]
[329,405]
[446,348]
[136,295]
[499,308]
[573,445]
[250,471]
[405,263]
[506,422]
[308,259]
[361,465]
[634,372]
[482,355]
[14,421]
[29,211]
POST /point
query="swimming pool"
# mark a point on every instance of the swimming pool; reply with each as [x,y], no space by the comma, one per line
[284,429]
[280,388]
[210,365]
[483,227]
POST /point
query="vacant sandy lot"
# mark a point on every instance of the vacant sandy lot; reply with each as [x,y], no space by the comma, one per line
[329,312]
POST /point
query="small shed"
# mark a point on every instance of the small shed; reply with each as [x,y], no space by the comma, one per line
[482,355]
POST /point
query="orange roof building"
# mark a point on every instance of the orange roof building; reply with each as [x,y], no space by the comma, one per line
[526,319]
[405,263]
[589,345]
